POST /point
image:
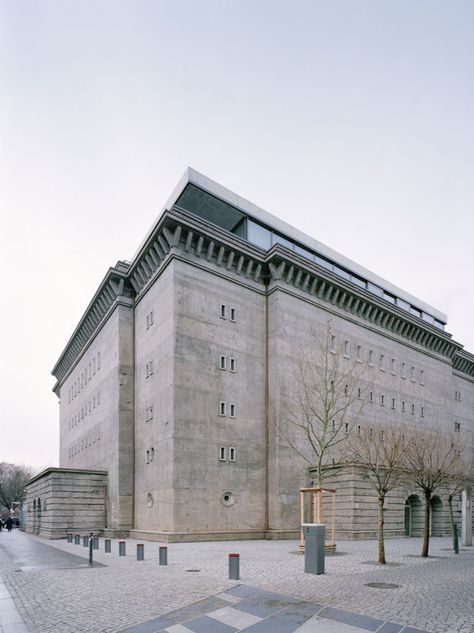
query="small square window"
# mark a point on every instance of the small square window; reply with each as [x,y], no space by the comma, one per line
[222,364]
[223,311]
[222,453]
[232,314]
[232,410]
[233,365]
[222,408]
[232,454]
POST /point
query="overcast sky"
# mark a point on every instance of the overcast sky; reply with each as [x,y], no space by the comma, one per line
[353,120]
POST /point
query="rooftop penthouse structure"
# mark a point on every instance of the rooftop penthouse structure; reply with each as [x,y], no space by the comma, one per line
[174,380]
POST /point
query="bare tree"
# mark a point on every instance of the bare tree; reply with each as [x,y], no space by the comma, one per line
[327,396]
[461,476]
[431,460]
[381,453]
[12,483]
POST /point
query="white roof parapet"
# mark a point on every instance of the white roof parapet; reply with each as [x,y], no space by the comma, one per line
[191,176]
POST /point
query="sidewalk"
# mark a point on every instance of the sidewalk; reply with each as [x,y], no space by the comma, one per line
[433,595]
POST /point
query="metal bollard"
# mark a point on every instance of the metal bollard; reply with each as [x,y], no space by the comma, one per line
[77,539]
[314,552]
[122,551]
[456,539]
[91,550]
[69,538]
[95,542]
[108,546]
[85,541]
[140,551]
[163,554]
[234,565]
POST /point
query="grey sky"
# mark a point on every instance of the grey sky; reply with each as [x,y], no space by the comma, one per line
[351,120]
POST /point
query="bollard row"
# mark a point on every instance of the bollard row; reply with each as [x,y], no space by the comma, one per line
[92,542]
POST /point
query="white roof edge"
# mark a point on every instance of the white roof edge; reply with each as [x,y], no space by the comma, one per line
[256,212]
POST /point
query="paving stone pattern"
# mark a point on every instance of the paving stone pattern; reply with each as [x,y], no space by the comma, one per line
[434,595]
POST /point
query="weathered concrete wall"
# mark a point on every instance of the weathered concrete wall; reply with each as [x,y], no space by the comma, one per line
[96,414]
[60,501]
[219,359]
[403,384]
[154,413]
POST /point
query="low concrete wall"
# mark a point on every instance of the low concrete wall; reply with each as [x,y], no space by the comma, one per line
[62,500]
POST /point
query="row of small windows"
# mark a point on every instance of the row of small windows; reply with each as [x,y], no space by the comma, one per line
[384,363]
[149,413]
[149,320]
[223,408]
[266,238]
[84,411]
[83,444]
[227,454]
[150,455]
[84,378]
[228,313]
[403,405]
[149,369]
[457,396]
[228,362]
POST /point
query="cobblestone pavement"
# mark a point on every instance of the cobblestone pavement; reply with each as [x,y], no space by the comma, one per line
[434,595]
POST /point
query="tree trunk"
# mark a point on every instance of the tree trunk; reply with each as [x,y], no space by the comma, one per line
[451,518]
[380,537]
[426,529]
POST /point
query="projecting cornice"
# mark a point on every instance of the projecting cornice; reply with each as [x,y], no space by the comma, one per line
[184,235]
[463,362]
[292,270]
[114,287]
[183,232]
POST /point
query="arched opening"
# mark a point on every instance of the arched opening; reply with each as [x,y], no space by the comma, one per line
[413,516]
[436,516]
[38,522]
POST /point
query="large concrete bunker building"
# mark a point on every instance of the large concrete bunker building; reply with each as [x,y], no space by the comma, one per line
[170,387]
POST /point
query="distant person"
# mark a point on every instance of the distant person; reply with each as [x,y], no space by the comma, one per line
[9,524]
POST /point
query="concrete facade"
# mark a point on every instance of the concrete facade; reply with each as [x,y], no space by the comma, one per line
[176,378]
[48,507]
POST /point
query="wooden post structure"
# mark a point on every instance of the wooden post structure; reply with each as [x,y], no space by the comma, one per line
[316,514]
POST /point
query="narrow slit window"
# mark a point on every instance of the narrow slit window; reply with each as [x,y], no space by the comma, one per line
[222,362]
[233,364]
[232,314]
[231,454]
[222,453]
[223,311]
[232,410]
[222,408]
